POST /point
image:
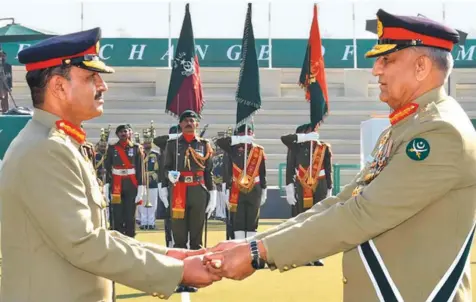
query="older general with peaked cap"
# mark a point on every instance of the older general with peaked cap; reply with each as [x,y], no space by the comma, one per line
[406,222]
[55,244]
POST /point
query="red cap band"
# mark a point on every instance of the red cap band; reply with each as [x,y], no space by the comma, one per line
[59,61]
[396,33]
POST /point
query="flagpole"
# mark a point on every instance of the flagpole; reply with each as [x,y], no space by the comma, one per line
[82,15]
[170,35]
[270,63]
[354,34]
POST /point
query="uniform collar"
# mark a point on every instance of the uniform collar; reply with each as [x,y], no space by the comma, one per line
[51,120]
[434,95]
[45,118]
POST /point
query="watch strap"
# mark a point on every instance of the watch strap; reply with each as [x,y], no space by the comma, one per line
[256,261]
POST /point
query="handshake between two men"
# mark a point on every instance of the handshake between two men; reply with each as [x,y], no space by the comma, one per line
[229,259]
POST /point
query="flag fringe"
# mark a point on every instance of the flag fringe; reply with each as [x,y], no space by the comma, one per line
[246,120]
[246,102]
[173,114]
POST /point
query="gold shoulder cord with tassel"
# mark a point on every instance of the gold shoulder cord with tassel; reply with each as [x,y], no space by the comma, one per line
[199,160]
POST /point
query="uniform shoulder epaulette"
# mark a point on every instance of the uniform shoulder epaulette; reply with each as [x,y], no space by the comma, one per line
[427,113]
[55,132]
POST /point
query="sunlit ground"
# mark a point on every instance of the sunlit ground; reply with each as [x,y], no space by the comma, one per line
[303,284]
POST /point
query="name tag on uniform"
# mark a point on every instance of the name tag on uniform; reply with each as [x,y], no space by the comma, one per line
[131,152]
[152,159]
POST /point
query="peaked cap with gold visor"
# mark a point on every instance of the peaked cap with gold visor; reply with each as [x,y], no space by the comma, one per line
[399,32]
[80,49]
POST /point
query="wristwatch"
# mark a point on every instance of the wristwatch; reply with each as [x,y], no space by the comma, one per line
[256,261]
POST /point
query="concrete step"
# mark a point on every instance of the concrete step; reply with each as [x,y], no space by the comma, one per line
[125,89]
[291,75]
[468,103]
[293,90]
[227,102]
[227,117]
[326,131]
[465,90]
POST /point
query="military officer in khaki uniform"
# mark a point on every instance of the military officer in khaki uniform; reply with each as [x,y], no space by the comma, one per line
[406,222]
[247,186]
[55,245]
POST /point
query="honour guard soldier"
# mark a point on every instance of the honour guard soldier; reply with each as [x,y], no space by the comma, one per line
[101,149]
[161,142]
[152,159]
[218,179]
[124,181]
[291,172]
[311,188]
[247,190]
[189,180]
[406,222]
[304,190]
[55,245]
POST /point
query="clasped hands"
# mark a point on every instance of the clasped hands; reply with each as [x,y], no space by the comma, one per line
[228,259]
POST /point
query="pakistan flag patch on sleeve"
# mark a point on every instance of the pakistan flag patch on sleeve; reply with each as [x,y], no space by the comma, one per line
[418,149]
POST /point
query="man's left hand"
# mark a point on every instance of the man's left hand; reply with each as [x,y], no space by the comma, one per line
[235,263]
[181,254]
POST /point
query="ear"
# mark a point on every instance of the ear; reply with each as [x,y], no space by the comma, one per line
[58,87]
[423,66]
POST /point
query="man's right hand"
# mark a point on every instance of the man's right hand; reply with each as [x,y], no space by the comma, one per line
[196,274]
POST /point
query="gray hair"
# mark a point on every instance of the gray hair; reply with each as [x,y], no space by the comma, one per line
[442,59]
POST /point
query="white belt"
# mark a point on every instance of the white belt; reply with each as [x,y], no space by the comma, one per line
[123,172]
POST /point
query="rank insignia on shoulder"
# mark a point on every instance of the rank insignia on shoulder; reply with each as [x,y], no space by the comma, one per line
[418,149]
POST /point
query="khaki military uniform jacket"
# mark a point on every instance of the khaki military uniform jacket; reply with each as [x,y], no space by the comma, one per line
[407,234]
[55,244]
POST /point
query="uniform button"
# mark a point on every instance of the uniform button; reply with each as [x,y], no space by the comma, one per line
[294,265]
[285,268]
[162,296]
[344,280]
[154,294]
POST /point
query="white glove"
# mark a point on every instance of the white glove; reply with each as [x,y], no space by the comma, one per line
[290,194]
[212,203]
[164,196]
[227,198]
[106,193]
[140,193]
[329,192]
[174,135]
[174,176]
[245,139]
[264,195]
[311,136]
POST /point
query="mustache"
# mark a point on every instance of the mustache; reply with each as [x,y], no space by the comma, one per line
[98,96]
[188,126]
